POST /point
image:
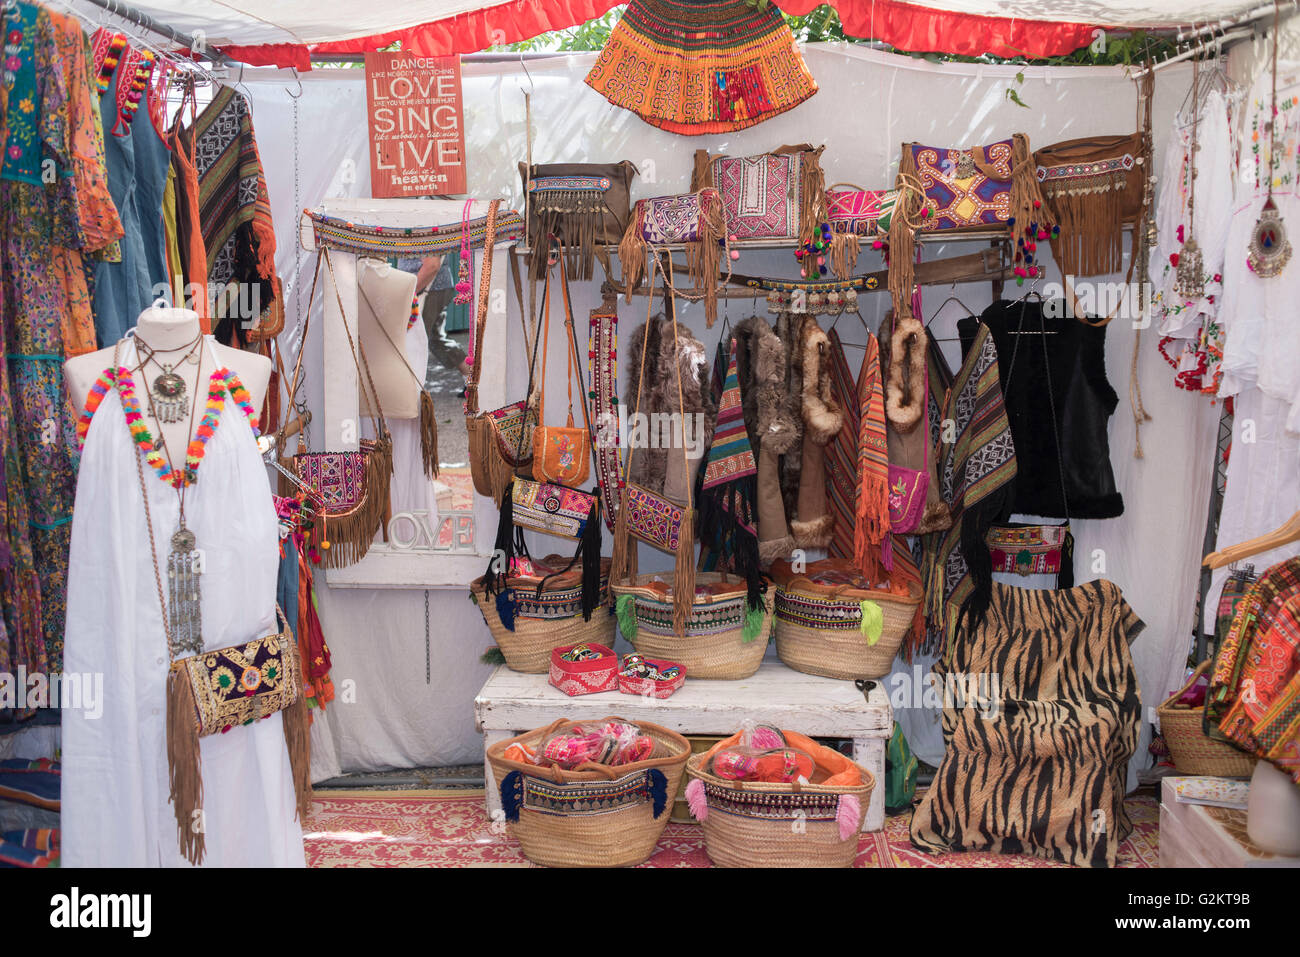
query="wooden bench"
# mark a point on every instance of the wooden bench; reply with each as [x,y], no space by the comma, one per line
[511,703]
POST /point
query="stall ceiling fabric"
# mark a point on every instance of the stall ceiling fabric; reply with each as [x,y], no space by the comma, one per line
[279,32]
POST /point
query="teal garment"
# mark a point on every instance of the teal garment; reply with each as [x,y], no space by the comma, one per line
[22,156]
[137,178]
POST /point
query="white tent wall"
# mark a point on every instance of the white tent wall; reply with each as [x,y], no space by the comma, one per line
[869,102]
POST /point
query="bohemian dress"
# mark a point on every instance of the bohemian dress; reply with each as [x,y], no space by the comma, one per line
[115,777]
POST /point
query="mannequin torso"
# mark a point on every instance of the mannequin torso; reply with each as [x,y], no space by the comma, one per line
[169,332]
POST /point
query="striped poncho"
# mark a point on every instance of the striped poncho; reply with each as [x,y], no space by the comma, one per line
[976,470]
[234,214]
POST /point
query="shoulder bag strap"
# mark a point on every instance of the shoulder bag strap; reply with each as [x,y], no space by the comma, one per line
[364,378]
[480,320]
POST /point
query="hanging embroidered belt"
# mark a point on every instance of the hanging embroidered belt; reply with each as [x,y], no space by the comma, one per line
[333,232]
[602,359]
[818,298]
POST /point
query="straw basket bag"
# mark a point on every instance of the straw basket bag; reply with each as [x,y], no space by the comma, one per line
[749,824]
[527,625]
[821,628]
[724,639]
[1192,750]
[595,815]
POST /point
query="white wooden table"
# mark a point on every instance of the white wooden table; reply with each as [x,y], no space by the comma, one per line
[511,703]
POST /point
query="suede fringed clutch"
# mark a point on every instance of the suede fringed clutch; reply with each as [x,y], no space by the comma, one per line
[693,220]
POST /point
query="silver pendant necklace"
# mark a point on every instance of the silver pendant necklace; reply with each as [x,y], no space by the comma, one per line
[168,395]
[185,560]
[1270,250]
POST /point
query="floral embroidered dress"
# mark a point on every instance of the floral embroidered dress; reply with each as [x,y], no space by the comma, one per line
[52,187]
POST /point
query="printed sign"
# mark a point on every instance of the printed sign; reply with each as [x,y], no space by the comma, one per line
[417,132]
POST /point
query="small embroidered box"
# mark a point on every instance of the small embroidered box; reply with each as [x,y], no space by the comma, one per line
[653,687]
[589,676]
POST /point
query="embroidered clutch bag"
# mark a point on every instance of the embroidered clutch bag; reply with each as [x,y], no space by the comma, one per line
[512,427]
[652,518]
[774,196]
[855,210]
[553,509]
[243,683]
[1032,549]
[966,187]
[677,219]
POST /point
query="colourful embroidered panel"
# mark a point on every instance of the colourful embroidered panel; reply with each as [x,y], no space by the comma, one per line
[961,194]
[654,519]
[22,156]
[553,509]
[514,424]
[334,233]
[1027,549]
[551,604]
[707,617]
[762,195]
[855,210]
[339,478]
[1056,175]
[569,184]
[242,683]
[586,797]
[810,612]
[803,806]
[907,488]
[672,219]
[730,457]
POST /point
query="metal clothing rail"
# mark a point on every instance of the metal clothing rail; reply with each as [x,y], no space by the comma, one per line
[146,22]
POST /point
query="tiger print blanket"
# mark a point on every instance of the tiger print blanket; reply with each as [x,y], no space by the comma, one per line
[1041,716]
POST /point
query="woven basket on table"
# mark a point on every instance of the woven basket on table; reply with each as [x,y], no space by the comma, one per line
[750,824]
[593,816]
[819,626]
[724,638]
[533,624]
[1189,747]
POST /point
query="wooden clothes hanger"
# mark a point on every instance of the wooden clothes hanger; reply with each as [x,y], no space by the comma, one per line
[1289,532]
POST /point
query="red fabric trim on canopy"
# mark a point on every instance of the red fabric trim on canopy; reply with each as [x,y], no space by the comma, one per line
[904,26]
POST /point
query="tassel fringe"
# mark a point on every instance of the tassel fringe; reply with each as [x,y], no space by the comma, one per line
[297,738]
[684,575]
[428,434]
[185,766]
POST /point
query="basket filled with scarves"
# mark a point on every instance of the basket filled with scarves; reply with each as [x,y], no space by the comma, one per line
[725,637]
[542,610]
[591,793]
[830,621]
[767,797]
[1192,750]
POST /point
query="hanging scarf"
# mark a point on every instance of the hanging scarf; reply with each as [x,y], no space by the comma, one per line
[842,454]
[234,211]
[727,498]
[871,511]
[976,473]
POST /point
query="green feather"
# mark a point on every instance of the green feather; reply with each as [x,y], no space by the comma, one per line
[873,620]
[753,622]
[493,656]
[625,609]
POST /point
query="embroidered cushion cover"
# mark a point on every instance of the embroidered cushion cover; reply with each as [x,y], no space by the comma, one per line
[762,195]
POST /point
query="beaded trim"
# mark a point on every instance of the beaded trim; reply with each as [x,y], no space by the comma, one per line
[335,233]
[707,618]
[773,805]
[817,612]
[221,383]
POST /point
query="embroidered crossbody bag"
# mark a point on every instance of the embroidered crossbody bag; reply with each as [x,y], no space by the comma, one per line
[562,454]
[1032,549]
[695,221]
[212,692]
[652,518]
[351,488]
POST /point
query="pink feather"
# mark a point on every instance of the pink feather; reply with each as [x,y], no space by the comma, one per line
[849,814]
[695,799]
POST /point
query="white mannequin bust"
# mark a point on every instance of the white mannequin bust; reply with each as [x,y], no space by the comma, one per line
[163,328]
[384,308]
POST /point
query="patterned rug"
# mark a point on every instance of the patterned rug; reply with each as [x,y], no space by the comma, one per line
[450,828]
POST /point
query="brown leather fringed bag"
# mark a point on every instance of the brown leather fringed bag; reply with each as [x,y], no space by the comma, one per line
[585,205]
[351,487]
[1093,186]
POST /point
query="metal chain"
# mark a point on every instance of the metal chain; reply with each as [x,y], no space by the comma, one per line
[426,636]
[298,335]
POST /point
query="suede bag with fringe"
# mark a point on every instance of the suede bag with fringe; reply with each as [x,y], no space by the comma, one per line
[694,220]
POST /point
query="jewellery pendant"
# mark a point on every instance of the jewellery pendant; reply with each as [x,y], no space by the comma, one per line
[168,393]
[1189,279]
[1270,250]
[184,570]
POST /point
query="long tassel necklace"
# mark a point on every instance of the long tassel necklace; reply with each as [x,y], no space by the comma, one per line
[167,394]
[1189,279]
[1270,250]
[184,561]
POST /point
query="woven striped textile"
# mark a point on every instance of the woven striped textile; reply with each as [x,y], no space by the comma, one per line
[842,454]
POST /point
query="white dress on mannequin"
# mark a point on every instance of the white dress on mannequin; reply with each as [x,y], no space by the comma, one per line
[115,809]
